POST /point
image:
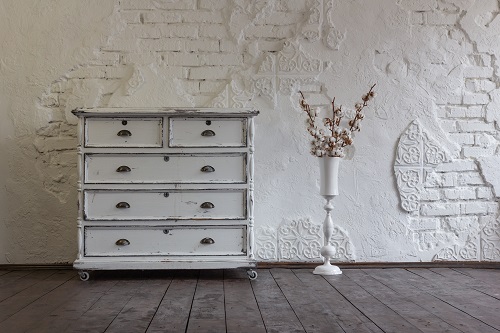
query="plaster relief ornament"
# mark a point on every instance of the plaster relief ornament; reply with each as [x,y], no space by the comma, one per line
[329,140]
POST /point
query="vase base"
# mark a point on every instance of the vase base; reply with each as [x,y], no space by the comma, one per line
[327,270]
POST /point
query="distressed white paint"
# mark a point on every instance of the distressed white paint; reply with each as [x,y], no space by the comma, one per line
[435,61]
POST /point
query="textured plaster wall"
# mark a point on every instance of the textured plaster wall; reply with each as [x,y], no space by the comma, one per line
[421,183]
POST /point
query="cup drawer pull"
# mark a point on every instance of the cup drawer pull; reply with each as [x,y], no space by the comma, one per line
[124,133]
[207,205]
[122,205]
[208,168]
[208,133]
[123,168]
[207,240]
[122,242]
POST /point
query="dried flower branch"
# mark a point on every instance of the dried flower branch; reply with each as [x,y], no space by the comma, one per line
[333,144]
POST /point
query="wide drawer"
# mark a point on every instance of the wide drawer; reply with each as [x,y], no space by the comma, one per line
[162,241]
[207,132]
[154,205]
[123,132]
[143,168]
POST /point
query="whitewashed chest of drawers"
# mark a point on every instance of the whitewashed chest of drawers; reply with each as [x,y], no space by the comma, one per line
[165,188]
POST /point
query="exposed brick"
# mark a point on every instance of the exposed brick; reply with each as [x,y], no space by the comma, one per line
[178,30]
[191,87]
[461,223]
[440,209]
[465,193]
[484,193]
[456,112]
[163,44]
[222,59]
[132,16]
[477,207]
[470,178]
[115,72]
[478,72]
[476,111]
[145,30]
[228,46]
[122,44]
[474,152]
[430,195]
[209,73]
[475,126]
[88,72]
[140,58]
[213,4]
[177,4]
[202,46]
[181,59]
[162,17]
[460,165]
[436,18]
[462,138]
[106,58]
[476,99]
[202,17]
[216,31]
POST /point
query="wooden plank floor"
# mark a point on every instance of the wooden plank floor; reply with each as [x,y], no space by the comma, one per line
[281,300]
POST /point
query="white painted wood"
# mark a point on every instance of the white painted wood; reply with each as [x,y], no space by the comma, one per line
[157,168]
[164,241]
[187,132]
[103,132]
[171,168]
[148,205]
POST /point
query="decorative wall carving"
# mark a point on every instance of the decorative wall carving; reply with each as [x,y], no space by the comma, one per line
[300,240]
[490,241]
[466,252]
[417,154]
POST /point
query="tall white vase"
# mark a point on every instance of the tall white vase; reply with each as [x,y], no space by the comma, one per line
[329,188]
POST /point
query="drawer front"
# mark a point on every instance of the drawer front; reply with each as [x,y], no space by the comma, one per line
[123,132]
[177,205]
[121,168]
[156,241]
[195,132]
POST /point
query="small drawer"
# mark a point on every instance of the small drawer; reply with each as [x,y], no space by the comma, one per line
[207,132]
[165,205]
[164,241]
[123,132]
[173,168]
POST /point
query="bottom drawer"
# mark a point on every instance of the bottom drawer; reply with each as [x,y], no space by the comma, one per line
[164,241]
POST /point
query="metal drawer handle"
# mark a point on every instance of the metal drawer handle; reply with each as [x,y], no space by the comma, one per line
[207,240]
[123,168]
[208,133]
[122,242]
[122,205]
[208,168]
[124,133]
[207,205]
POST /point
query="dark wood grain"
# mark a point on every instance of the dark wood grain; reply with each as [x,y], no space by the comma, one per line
[383,316]
[348,317]
[27,308]
[478,305]
[422,319]
[207,312]
[242,311]
[314,315]
[174,309]
[24,282]
[280,300]
[276,312]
